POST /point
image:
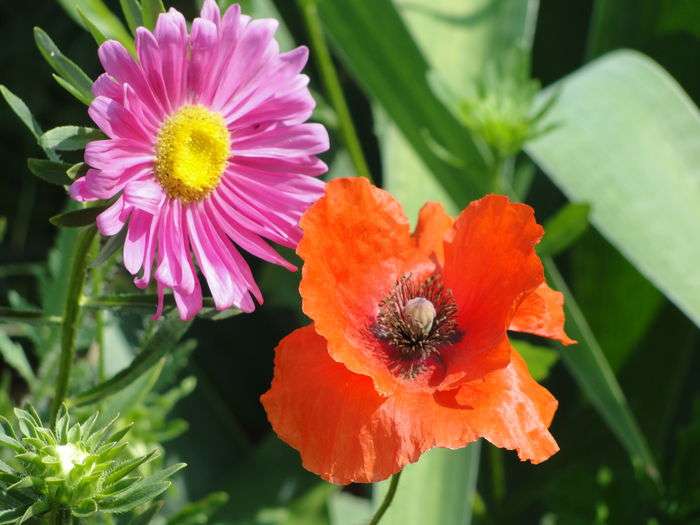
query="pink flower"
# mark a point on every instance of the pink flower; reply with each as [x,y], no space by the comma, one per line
[208,152]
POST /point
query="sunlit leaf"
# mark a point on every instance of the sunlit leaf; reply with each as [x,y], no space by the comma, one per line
[635,165]
[436,489]
[72,74]
[13,355]
[150,9]
[132,13]
[69,138]
[539,359]
[104,19]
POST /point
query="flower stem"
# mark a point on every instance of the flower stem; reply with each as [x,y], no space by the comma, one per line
[331,83]
[387,499]
[71,316]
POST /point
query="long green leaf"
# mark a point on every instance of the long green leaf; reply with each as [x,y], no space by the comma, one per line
[22,111]
[635,164]
[387,62]
[132,13]
[150,10]
[564,229]
[163,340]
[101,16]
[67,69]
[588,365]
[13,355]
[438,488]
[482,31]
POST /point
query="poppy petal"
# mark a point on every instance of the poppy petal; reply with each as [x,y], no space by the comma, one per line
[434,225]
[542,313]
[356,244]
[346,432]
[490,265]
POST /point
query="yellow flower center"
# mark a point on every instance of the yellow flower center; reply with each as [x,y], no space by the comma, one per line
[191,153]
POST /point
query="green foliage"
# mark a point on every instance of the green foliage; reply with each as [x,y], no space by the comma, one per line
[74,466]
[69,138]
[564,229]
[71,77]
[50,171]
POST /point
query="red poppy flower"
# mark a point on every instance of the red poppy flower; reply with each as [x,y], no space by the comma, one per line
[409,347]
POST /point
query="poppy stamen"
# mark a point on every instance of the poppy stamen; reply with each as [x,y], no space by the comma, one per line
[415,323]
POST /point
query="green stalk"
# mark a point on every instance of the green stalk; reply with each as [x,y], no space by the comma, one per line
[71,316]
[387,499]
[331,83]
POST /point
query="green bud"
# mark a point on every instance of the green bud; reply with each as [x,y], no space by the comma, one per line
[70,467]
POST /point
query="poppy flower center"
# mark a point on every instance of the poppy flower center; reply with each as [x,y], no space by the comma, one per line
[192,150]
[415,323]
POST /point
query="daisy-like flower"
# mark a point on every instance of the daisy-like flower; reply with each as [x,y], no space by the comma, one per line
[409,348]
[208,153]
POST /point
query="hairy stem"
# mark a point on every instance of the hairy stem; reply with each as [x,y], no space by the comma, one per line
[71,316]
[329,76]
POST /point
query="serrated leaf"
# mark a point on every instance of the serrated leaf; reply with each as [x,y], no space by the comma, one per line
[148,515]
[50,171]
[150,10]
[77,218]
[69,138]
[13,355]
[34,510]
[66,68]
[132,13]
[86,508]
[133,498]
[125,468]
[564,229]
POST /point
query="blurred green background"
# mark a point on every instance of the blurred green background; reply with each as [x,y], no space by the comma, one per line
[650,344]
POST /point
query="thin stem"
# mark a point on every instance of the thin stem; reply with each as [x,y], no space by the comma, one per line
[97,280]
[387,499]
[133,300]
[28,316]
[331,83]
[71,316]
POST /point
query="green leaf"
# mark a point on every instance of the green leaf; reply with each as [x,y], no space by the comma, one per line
[69,138]
[191,513]
[163,340]
[104,19]
[539,359]
[592,372]
[436,489]
[483,30]
[134,498]
[22,111]
[50,171]
[347,509]
[636,166]
[74,76]
[77,170]
[122,470]
[3,228]
[77,218]
[99,37]
[13,355]
[150,9]
[388,64]
[564,229]
[132,13]
[28,316]
[601,280]
[110,247]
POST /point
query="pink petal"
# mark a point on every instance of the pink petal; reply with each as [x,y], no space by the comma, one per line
[188,304]
[144,195]
[203,48]
[171,33]
[136,240]
[283,141]
[112,220]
